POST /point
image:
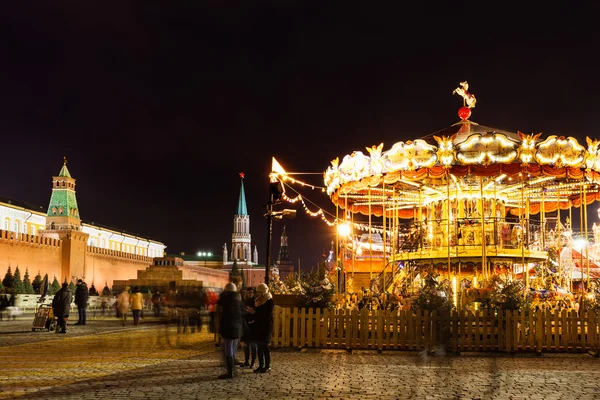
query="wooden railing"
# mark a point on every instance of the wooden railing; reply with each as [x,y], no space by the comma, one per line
[510,331]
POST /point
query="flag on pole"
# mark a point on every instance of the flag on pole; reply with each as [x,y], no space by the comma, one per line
[44,287]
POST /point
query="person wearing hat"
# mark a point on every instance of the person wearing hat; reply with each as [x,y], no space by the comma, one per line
[247,338]
[230,305]
[262,330]
[81,300]
[61,305]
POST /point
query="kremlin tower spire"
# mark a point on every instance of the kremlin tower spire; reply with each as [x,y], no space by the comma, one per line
[63,212]
[284,265]
[241,250]
[63,223]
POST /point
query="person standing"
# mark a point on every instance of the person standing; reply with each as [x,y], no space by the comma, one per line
[156,301]
[247,338]
[61,305]
[81,300]
[123,305]
[136,301]
[262,329]
[230,305]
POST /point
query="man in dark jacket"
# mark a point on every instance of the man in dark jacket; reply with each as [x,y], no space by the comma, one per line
[230,306]
[61,305]
[81,299]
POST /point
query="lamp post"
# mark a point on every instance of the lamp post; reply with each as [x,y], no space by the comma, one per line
[344,231]
[275,192]
[204,255]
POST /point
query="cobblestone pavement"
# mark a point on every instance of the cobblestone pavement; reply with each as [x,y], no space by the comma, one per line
[104,360]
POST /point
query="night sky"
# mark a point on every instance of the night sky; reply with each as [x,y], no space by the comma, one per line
[159,106]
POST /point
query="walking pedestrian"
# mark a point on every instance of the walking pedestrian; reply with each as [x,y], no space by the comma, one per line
[262,330]
[61,305]
[136,300]
[81,300]
[230,305]
[156,301]
[123,305]
[247,338]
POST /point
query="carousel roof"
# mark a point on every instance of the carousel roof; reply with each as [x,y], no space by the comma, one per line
[469,157]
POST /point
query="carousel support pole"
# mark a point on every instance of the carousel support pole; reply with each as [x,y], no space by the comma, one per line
[522,222]
[483,243]
[394,229]
[527,230]
[581,233]
[558,230]
[385,254]
[543,226]
[585,227]
[353,249]
[448,220]
[370,240]
[420,224]
[337,245]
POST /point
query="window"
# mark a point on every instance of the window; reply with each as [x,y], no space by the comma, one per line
[32,229]
[6,222]
[16,226]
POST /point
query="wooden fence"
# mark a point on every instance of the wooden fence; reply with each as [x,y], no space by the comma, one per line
[510,331]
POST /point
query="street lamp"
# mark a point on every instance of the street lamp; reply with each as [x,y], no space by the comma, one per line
[276,190]
[343,231]
[204,255]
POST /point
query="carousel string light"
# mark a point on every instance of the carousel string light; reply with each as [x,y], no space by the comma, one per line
[322,213]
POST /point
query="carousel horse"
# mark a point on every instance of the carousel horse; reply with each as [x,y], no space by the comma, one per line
[463,91]
[471,294]
[551,298]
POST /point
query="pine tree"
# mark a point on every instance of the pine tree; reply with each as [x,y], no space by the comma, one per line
[93,291]
[27,284]
[18,283]
[54,287]
[234,271]
[72,287]
[1,288]
[8,281]
[106,291]
[37,283]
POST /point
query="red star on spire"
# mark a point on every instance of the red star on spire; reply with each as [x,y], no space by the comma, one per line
[242,175]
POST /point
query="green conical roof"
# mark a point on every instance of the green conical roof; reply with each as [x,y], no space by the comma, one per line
[63,202]
[64,172]
[242,210]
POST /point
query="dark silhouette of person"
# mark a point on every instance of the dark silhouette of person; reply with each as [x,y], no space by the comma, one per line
[230,306]
[81,300]
[61,305]
[262,330]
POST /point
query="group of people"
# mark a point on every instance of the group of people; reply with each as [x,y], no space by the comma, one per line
[250,320]
[127,301]
[61,304]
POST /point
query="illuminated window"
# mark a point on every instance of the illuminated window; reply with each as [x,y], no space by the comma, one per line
[33,229]
[6,222]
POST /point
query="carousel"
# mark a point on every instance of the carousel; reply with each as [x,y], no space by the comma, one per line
[469,203]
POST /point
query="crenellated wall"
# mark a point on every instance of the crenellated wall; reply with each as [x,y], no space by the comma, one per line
[44,254]
[104,266]
[29,252]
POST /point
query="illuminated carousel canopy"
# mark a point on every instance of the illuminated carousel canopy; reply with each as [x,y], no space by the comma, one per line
[467,160]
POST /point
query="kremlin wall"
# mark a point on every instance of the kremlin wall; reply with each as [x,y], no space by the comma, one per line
[59,244]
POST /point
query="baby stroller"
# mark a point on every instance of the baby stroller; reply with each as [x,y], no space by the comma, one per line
[44,319]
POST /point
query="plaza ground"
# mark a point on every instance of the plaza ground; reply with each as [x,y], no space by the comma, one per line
[104,360]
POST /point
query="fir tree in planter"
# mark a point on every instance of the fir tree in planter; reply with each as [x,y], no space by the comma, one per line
[8,281]
[37,283]
[54,287]
[17,282]
[28,288]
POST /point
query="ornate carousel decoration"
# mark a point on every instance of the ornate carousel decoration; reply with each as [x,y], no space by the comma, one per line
[471,201]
